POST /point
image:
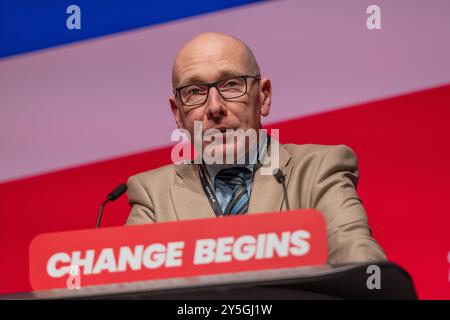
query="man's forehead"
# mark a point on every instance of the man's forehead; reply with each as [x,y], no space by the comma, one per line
[212,44]
[209,60]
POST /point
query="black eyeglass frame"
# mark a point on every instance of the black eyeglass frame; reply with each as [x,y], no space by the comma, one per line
[214,84]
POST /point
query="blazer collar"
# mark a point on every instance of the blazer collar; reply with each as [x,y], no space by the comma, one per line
[267,193]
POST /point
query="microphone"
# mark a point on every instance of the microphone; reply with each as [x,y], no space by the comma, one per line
[280,178]
[113,195]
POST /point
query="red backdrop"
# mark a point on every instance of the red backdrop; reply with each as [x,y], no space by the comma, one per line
[403,149]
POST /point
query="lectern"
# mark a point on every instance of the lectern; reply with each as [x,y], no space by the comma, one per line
[321,282]
[279,255]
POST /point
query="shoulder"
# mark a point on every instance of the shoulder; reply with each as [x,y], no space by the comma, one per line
[322,159]
[318,150]
[159,176]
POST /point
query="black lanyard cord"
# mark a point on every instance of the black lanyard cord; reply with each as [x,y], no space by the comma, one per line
[210,193]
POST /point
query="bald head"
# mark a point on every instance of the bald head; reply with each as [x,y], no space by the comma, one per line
[208,55]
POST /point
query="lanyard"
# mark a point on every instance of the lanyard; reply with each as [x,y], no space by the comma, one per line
[210,193]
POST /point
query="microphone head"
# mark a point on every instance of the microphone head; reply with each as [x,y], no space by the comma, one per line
[117,192]
[278,175]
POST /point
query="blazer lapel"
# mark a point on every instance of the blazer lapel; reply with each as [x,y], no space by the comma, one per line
[267,193]
[187,194]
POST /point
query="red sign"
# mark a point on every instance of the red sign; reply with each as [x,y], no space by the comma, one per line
[179,249]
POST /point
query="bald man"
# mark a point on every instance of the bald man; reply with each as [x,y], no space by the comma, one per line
[217,83]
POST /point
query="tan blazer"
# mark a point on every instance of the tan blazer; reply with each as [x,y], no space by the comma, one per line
[317,176]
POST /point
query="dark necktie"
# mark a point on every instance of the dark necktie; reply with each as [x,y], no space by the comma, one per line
[234,178]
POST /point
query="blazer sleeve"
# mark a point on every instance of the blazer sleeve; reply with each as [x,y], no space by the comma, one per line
[141,203]
[334,194]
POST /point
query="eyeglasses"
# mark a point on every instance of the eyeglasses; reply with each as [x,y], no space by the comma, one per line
[230,88]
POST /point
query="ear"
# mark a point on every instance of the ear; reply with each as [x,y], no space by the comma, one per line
[265,96]
[176,110]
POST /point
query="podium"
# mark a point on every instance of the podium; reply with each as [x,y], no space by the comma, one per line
[318,282]
[258,256]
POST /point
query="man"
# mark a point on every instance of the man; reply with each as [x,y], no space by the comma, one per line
[321,177]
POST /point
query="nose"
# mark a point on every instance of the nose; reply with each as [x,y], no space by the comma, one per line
[215,107]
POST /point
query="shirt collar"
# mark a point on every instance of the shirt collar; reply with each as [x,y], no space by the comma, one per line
[213,169]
